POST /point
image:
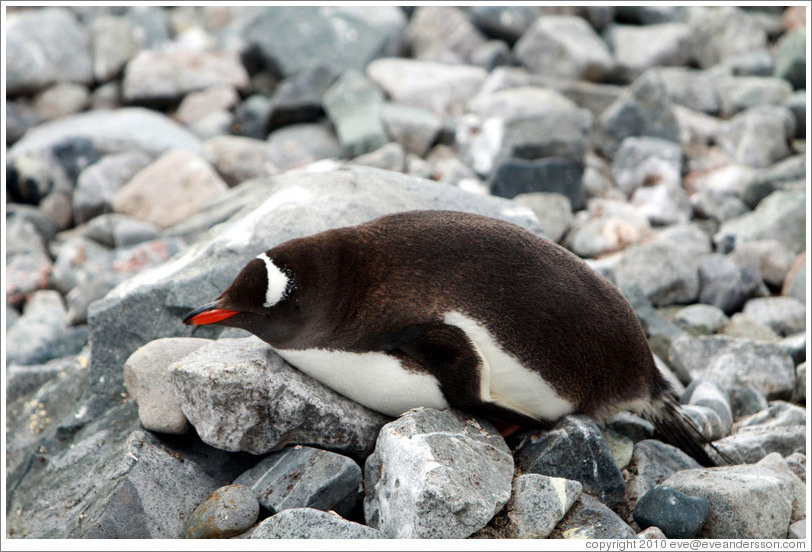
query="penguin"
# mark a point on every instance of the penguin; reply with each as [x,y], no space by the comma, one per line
[449,309]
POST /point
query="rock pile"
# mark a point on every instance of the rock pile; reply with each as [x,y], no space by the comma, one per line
[153,151]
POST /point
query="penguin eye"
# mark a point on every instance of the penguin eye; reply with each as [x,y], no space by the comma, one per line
[276,282]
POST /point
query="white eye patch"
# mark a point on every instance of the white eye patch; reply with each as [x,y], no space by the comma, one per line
[277,282]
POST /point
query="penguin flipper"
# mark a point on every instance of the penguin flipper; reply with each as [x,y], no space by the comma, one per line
[450,356]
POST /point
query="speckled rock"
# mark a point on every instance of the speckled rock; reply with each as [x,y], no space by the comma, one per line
[701,319]
[308,523]
[785,315]
[228,511]
[678,515]
[538,503]
[590,519]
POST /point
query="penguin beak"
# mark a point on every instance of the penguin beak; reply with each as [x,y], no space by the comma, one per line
[208,314]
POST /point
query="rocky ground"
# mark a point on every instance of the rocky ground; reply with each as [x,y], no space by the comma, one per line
[152,151]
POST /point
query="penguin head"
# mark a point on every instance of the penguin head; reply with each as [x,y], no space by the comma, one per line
[254,301]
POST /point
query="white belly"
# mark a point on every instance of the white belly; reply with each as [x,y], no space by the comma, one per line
[505,381]
[375,380]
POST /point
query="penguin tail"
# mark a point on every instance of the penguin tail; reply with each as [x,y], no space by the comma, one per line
[675,428]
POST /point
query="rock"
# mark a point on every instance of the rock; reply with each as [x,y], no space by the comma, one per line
[28,265]
[707,420]
[796,462]
[778,414]
[742,325]
[342,38]
[146,379]
[251,116]
[553,211]
[721,33]
[300,203]
[309,523]
[707,393]
[115,230]
[226,390]
[354,105]
[62,99]
[239,158]
[652,463]
[771,258]
[690,88]
[739,93]
[776,217]
[20,116]
[164,76]
[538,503]
[305,477]
[226,512]
[795,346]
[115,41]
[725,285]
[436,474]
[663,205]
[169,190]
[612,226]
[794,282]
[513,176]
[564,46]
[442,33]
[758,136]
[790,58]
[785,315]
[800,386]
[678,515]
[299,98]
[630,425]
[391,157]
[590,519]
[652,532]
[620,446]
[756,442]
[36,336]
[735,362]
[797,530]
[519,101]
[46,46]
[744,400]
[666,268]
[508,23]
[438,87]
[414,128]
[637,49]
[99,182]
[25,379]
[574,449]
[646,162]
[732,491]
[644,109]
[298,145]
[197,106]
[701,319]
[796,104]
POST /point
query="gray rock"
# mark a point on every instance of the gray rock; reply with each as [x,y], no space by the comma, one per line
[678,515]
[742,325]
[98,183]
[795,281]
[251,116]
[491,54]
[41,332]
[198,108]
[342,38]
[797,530]
[25,379]
[612,226]
[666,268]
[115,230]
[620,446]
[800,385]
[62,99]
[721,33]
[308,523]
[795,346]
[164,76]
[506,22]
[707,420]
[779,216]
[796,103]
[169,190]
[756,442]
[46,46]
[644,109]
[391,157]
[796,462]
[725,285]
[293,205]
[590,519]
[630,425]
[240,158]
[732,491]
[574,449]
[353,103]
[707,393]
[785,315]
[28,268]
[412,127]
[115,41]
[691,88]
[646,162]
[305,477]
[298,98]
[663,204]
[436,474]
[764,366]
[790,57]
[146,379]
[438,87]
[771,258]
[701,319]
[652,463]
[744,400]
[553,211]
[739,93]
[228,511]
[758,136]
[300,144]
[513,176]
[778,414]
[538,503]
[564,46]
[519,101]
[241,396]
[20,116]
[637,49]
[442,33]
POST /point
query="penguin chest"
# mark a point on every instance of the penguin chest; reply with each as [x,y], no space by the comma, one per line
[504,381]
[376,380]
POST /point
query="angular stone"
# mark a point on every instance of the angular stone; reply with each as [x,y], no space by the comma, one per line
[196,106]
[589,518]
[722,33]
[739,93]
[772,258]
[308,523]
[115,230]
[226,512]
[300,144]
[795,281]
[725,285]
[519,101]
[35,337]
[790,54]
[785,315]
[663,205]
[779,216]
[169,190]
[354,105]
[305,477]
[758,136]
[646,162]
[753,443]
[62,99]
[98,183]
[414,128]
[707,393]
[652,463]
[701,319]
[553,210]
[506,22]
[391,157]
[241,396]
[638,48]
[574,449]
[298,99]
[690,88]
[115,41]
[612,226]
[436,474]
[538,503]
[513,176]
[442,33]
[678,515]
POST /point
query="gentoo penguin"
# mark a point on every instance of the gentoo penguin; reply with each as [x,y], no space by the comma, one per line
[443,308]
